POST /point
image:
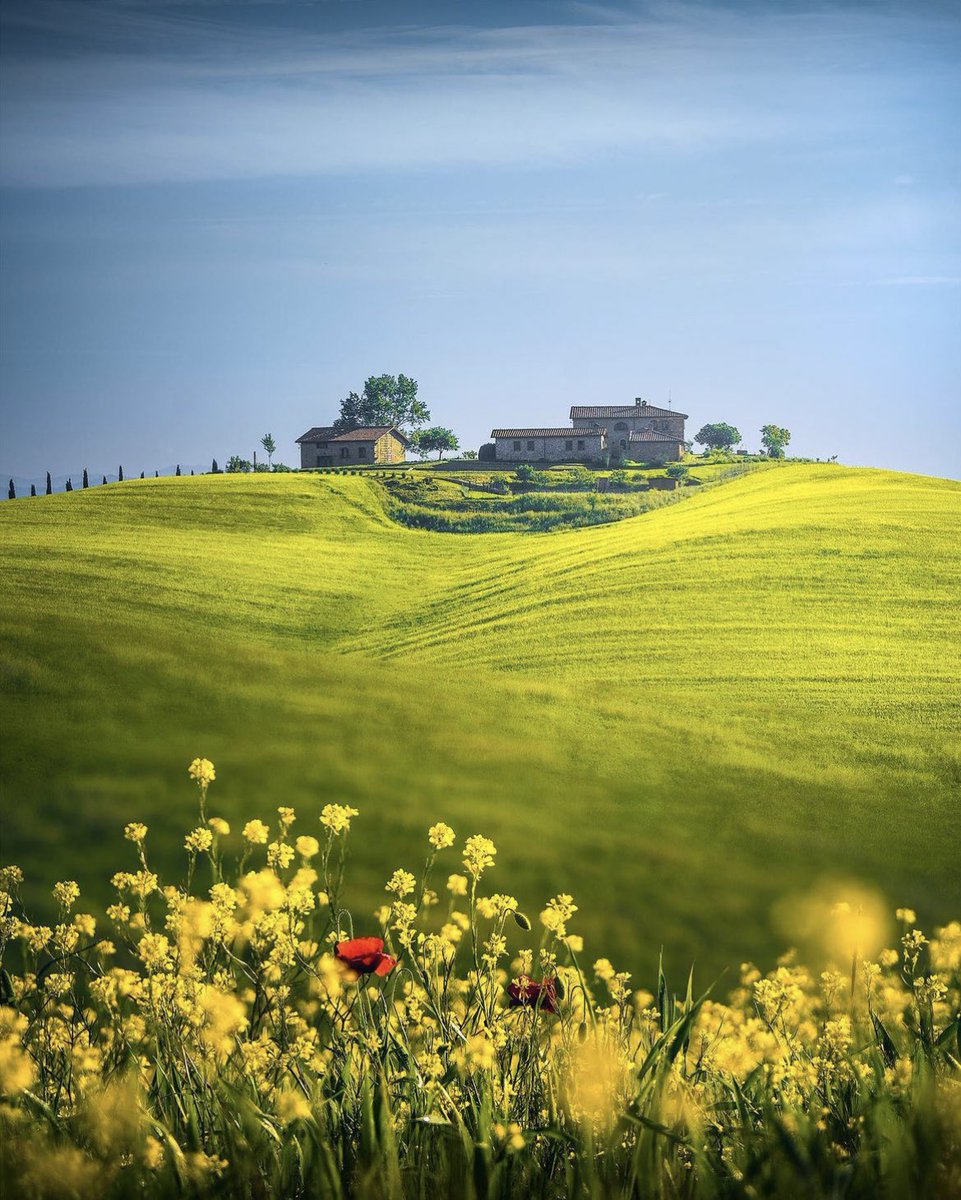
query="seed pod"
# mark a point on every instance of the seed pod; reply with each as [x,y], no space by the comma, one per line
[523,920]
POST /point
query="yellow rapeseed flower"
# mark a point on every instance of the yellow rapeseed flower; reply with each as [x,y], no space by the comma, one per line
[440,836]
[200,839]
[135,831]
[66,893]
[256,832]
[457,885]
[219,826]
[202,769]
[336,817]
[307,846]
[478,855]
[401,883]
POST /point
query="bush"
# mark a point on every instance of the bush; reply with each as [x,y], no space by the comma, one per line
[530,476]
[487,452]
[676,471]
[237,465]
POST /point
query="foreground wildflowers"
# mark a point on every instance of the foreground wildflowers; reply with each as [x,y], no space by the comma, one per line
[241,1033]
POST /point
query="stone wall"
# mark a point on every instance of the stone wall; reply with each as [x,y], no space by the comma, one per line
[579,447]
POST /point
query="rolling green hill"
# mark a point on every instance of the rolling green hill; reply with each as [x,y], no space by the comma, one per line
[680,718]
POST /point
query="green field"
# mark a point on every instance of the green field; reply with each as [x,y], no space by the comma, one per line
[680,717]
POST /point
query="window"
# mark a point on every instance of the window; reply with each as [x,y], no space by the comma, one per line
[623,444]
[345,452]
[517,443]
[530,444]
[321,445]
[621,425]
[361,451]
[569,445]
[580,444]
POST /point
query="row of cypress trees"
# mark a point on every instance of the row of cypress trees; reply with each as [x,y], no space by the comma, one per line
[12,491]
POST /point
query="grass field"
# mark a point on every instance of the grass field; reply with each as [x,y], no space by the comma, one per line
[681,718]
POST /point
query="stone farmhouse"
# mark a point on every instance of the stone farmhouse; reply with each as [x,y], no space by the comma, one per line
[322,447]
[598,434]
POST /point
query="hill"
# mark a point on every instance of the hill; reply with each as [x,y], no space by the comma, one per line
[680,718]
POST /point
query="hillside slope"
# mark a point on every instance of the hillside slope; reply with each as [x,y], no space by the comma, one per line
[680,718]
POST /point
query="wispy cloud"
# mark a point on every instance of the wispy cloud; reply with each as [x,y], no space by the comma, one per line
[178,96]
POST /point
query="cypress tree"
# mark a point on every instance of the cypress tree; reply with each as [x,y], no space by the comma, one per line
[178,468]
[105,478]
[214,469]
[33,489]
[49,485]
[156,474]
[69,487]
[120,475]
[86,481]
[141,474]
[191,470]
[12,491]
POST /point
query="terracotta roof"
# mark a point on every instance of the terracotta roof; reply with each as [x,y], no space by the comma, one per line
[320,433]
[624,410]
[652,435]
[546,433]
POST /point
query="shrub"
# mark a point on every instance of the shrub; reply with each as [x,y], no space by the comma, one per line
[237,465]
[676,471]
[487,452]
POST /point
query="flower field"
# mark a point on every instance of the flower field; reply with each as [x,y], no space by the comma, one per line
[239,1029]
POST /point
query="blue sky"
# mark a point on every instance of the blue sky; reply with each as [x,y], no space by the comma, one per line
[218,218]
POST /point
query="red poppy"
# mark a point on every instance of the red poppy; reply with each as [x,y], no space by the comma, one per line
[365,955]
[541,995]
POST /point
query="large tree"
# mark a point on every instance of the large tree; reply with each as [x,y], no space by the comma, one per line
[426,441]
[386,400]
[774,438]
[718,436]
[268,443]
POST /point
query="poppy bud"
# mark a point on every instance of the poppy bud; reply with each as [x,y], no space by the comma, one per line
[523,920]
[582,1032]
[559,988]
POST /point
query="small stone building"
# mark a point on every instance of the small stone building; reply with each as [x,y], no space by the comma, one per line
[549,445]
[370,444]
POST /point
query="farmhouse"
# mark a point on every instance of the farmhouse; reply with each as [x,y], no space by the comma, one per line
[323,447]
[600,433]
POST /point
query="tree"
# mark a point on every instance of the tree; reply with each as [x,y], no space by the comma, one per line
[386,400]
[774,438]
[437,438]
[178,468]
[270,446]
[214,469]
[237,464]
[104,479]
[69,486]
[33,489]
[719,436]
[86,480]
[676,471]
[120,475]
[469,454]
[141,474]
[49,485]
[11,491]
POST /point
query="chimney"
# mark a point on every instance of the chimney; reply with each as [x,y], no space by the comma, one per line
[639,402]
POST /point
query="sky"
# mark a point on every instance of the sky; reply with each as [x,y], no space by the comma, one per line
[219,217]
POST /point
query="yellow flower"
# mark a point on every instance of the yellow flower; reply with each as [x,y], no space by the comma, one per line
[256,832]
[66,894]
[136,831]
[292,1106]
[287,816]
[907,915]
[478,855]
[202,769]
[154,951]
[201,839]
[457,885]
[307,846]
[279,854]
[219,826]
[401,883]
[336,817]
[440,836]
